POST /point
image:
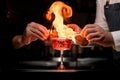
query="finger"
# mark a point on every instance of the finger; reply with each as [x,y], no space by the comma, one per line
[87,29]
[92,35]
[41,37]
[96,40]
[38,34]
[40,31]
[44,30]
[39,27]
[91,32]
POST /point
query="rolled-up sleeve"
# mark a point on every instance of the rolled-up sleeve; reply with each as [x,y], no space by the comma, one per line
[116,37]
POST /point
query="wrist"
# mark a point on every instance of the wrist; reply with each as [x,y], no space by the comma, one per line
[18,41]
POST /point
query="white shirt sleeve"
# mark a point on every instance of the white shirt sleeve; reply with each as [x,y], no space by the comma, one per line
[100,17]
[116,37]
[101,21]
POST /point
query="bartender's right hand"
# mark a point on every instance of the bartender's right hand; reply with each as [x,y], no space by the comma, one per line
[33,32]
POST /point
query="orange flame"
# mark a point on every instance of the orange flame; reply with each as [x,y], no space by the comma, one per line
[61,11]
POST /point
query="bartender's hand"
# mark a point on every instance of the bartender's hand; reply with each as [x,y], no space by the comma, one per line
[35,31]
[32,32]
[96,34]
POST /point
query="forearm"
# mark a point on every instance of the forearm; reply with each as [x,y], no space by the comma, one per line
[17,42]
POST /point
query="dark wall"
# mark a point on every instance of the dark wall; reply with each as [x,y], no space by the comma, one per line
[83,11]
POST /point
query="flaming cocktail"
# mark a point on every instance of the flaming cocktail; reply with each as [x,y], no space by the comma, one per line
[61,43]
[61,36]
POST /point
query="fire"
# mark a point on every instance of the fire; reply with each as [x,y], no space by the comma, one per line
[61,11]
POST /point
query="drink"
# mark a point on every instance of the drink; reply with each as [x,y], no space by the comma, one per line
[61,43]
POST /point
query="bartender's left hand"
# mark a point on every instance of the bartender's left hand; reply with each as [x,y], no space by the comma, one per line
[96,34]
[33,32]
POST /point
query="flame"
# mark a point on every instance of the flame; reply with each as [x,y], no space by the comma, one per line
[61,11]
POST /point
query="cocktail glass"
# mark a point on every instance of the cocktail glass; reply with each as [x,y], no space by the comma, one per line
[61,44]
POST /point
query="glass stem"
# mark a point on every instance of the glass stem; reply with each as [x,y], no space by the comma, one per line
[61,56]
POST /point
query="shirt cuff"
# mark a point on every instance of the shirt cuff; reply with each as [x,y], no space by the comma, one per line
[116,37]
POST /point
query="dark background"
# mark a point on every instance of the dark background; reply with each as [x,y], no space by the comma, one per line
[18,13]
[83,10]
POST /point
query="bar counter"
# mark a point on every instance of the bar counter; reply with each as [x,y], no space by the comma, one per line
[80,65]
